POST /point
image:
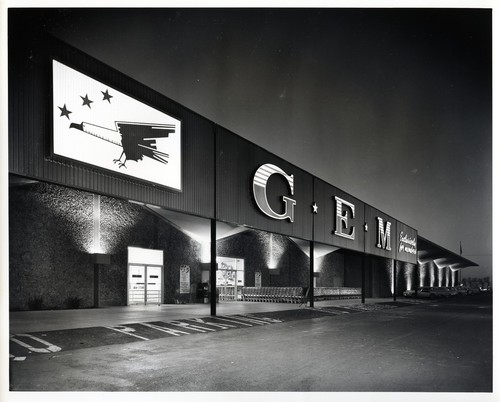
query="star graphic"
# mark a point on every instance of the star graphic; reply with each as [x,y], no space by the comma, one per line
[86,101]
[64,111]
[366,227]
[314,208]
[107,96]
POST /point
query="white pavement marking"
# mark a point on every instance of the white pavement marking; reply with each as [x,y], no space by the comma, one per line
[187,325]
[213,324]
[127,332]
[271,320]
[221,317]
[249,319]
[170,331]
[50,349]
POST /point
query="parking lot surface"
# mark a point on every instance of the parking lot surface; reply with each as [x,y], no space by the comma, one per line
[403,346]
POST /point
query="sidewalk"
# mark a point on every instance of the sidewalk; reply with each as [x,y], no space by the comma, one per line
[49,320]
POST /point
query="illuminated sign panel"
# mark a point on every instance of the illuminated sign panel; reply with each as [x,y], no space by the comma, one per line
[98,125]
[407,247]
[407,244]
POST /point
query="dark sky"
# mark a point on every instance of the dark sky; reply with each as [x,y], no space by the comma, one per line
[391,105]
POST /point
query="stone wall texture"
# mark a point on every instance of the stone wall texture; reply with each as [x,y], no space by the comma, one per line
[289,265]
[51,241]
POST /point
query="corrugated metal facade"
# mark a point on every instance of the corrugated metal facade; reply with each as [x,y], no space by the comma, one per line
[30,130]
[372,245]
[237,162]
[218,166]
[325,221]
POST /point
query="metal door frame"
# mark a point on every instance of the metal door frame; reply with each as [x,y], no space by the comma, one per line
[145,281]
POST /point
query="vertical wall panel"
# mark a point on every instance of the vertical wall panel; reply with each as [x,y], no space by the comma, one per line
[325,220]
[237,162]
[372,234]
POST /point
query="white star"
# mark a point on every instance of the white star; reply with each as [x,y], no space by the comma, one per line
[315,208]
[366,227]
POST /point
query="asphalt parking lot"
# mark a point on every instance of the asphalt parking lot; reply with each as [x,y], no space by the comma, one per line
[403,346]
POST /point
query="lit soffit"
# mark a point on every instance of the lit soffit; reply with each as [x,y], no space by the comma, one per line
[320,250]
[195,227]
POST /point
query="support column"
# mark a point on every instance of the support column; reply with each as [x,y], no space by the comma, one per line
[363,279]
[96,213]
[96,285]
[213,267]
[311,274]
[394,279]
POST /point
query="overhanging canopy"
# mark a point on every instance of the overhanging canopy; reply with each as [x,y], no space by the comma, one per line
[429,251]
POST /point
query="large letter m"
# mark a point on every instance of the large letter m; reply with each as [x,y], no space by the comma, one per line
[384,236]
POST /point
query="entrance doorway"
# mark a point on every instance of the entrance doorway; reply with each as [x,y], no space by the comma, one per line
[144,284]
[145,276]
[230,278]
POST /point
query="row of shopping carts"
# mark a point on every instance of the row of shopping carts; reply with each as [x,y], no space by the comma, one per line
[274,294]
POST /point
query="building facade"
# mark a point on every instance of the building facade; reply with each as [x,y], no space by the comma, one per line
[119,196]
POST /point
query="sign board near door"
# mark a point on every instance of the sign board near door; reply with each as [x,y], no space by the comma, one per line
[185,282]
[258,279]
[137,255]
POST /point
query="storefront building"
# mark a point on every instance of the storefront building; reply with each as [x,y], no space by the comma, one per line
[120,196]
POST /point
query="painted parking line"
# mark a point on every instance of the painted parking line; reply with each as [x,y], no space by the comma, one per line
[127,331]
[50,348]
[26,345]
[170,331]
[80,338]
[211,323]
[21,348]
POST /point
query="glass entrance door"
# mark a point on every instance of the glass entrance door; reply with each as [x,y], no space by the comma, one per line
[226,284]
[230,278]
[153,285]
[136,284]
[144,284]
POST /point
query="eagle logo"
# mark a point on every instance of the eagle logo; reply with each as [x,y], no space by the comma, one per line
[137,140]
[99,125]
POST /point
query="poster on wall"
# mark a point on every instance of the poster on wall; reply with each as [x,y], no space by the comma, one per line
[258,279]
[185,284]
[98,125]
[226,278]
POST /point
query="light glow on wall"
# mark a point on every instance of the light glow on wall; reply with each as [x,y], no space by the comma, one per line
[272,259]
[273,249]
[422,274]
[393,285]
[441,275]
[408,276]
[432,275]
[205,251]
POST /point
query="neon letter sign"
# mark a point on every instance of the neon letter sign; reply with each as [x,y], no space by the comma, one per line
[384,237]
[259,192]
[341,219]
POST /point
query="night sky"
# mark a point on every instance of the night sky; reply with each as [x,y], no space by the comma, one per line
[393,106]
